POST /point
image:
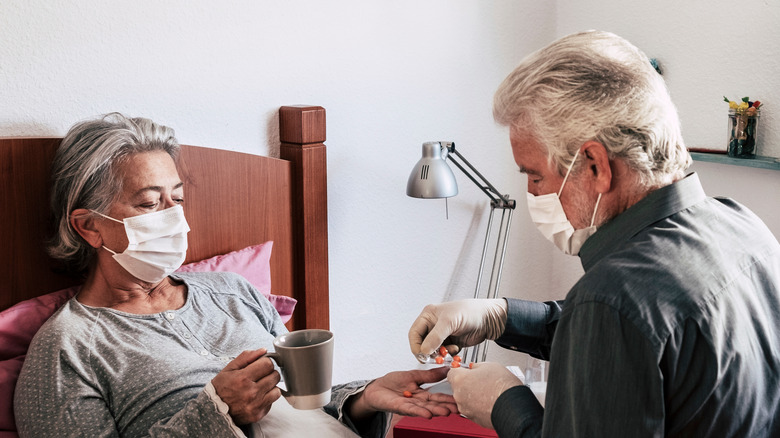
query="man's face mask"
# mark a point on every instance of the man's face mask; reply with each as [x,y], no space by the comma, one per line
[550,219]
[157,243]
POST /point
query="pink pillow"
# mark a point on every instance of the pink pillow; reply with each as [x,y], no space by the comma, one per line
[254,264]
[18,324]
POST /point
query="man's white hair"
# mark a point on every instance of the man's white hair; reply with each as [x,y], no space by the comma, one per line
[596,86]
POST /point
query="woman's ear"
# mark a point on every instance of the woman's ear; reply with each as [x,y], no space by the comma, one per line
[599,169]
[84,223]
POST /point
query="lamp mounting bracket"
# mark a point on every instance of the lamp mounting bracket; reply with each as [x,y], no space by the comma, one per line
[497,199]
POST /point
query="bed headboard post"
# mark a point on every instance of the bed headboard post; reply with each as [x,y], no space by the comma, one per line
[302,135]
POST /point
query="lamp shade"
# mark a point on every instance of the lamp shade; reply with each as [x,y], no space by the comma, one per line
[432,176]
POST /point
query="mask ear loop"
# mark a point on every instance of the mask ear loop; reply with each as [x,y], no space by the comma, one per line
[107,217]
[595,209]
[567,173]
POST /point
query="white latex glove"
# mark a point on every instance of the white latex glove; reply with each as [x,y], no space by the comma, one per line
[477,389]
[455,325]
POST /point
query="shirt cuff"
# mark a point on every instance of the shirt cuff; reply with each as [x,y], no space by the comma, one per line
[222,409]
[380,423]
[526,325]
[517,412]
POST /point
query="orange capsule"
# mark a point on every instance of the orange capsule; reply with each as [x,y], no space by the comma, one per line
[471,365]
[456,358]
[456,364]
[442,351]
[407,394]
[439,360]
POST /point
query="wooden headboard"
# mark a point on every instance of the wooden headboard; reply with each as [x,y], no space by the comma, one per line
[233,200]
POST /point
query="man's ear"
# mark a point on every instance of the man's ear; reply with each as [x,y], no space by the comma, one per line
[84,223]
[599,169]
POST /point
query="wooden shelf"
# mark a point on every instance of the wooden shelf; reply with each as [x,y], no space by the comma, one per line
[758,162]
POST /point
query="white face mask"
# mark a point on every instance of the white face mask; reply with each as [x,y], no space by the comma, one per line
[548,216]
[157,243]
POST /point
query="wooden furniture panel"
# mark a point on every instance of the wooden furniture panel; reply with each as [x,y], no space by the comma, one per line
[25,220]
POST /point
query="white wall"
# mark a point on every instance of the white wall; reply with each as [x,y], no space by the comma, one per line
[391,75]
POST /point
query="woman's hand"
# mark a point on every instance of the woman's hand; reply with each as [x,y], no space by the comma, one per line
[248,386]
[387,394]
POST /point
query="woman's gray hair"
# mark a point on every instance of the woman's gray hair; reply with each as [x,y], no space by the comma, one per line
[85,174]
[595,86]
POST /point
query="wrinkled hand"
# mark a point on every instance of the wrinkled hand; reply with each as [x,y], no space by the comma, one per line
[248,386]
[477,389]
[455,325]
[386,394]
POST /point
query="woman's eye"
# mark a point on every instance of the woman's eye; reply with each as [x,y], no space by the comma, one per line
[179,201]
[149,205]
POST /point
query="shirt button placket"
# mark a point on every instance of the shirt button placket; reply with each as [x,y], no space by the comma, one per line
[170,316]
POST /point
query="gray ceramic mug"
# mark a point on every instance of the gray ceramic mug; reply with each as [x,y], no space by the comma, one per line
[306,360]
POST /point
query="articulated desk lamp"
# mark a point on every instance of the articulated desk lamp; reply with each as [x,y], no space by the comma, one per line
[433,178]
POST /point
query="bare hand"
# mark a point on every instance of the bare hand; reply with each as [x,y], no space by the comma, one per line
[248,386]
[387,394]
[477,389]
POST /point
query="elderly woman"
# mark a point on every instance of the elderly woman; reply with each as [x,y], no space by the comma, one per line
[142,351]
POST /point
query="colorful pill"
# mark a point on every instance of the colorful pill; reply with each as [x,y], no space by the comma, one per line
[456,358]
[442,351]
[471,365]
[407,394]
[439,360]
[456,364]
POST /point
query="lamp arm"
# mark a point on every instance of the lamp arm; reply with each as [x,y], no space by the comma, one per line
[497,199]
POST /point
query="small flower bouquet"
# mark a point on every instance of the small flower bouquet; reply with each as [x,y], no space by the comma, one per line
[743,121]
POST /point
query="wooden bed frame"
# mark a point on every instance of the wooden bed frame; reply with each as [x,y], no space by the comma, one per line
[233,200]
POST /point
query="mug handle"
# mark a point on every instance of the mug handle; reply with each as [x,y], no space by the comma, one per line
[278,359]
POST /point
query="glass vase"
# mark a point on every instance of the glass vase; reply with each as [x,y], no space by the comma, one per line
[742,139]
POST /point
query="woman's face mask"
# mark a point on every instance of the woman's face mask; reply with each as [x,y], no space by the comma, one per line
[550,219]
[157,243]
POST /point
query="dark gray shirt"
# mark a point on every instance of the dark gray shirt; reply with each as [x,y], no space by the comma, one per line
[673,330]
[100,372]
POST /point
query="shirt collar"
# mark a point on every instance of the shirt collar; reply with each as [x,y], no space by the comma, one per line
[657,205]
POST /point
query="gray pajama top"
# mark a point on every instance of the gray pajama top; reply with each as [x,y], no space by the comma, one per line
[99,372]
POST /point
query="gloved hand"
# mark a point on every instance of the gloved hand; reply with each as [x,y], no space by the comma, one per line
[455,325]
[477,389]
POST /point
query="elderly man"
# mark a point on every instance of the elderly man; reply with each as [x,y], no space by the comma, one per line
[674,328]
